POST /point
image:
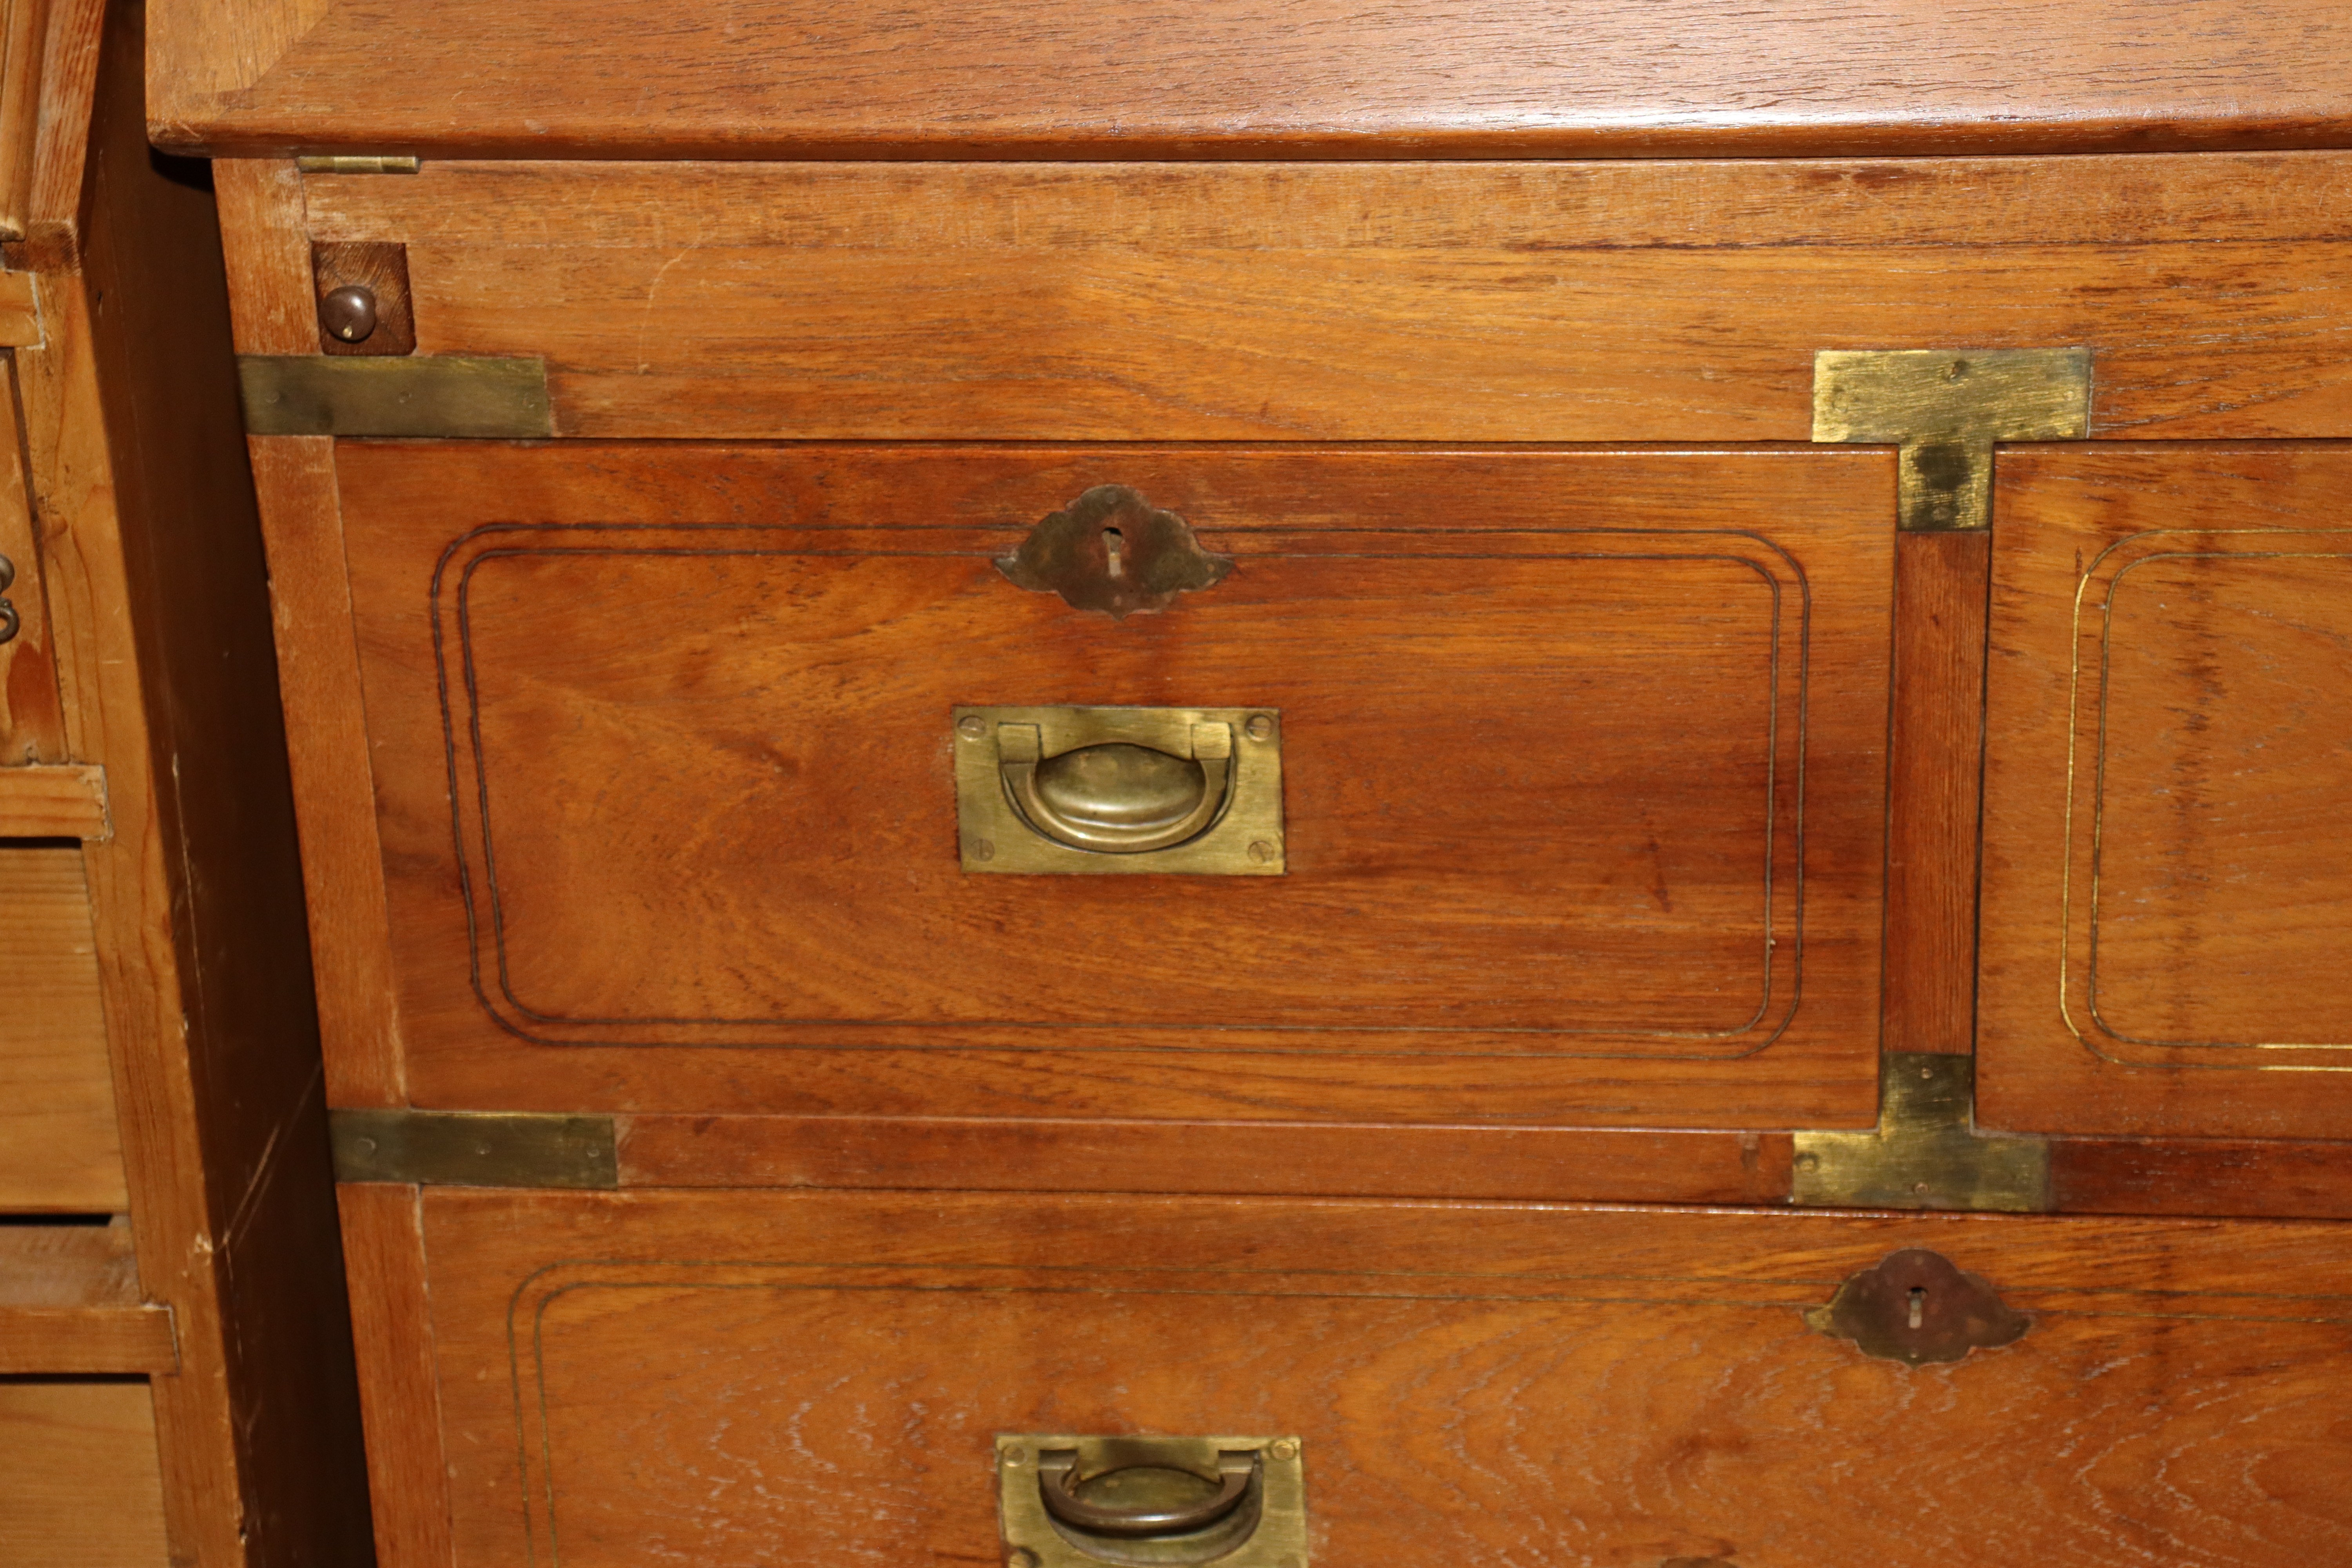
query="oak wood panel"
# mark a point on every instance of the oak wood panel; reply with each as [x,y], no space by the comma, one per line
[82,1489]
[1291,1158]
[1473,1384]
[57,800]
[1326,303]
[70,1303]
[903,1040]
[1935,770]
[59,1146]
[274,311]
[2165,889]
[407,1481]
[1244,78]
[2200,1176]
[32,723]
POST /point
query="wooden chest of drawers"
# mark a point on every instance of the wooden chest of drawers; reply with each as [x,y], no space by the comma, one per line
[1491,522]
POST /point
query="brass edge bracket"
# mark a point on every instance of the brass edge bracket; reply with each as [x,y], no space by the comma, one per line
[474,1148]
[354,163]
[430,395]
[1944,408]
[1925,1152]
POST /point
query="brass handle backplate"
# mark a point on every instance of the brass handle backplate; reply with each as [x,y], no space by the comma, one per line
[1075,790]
[1072,1503]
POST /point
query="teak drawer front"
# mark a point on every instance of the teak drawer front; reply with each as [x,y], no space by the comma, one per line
[732,1378]
[2167,874]
[1634,301]
[1582,767]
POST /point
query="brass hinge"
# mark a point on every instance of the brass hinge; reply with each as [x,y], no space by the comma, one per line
[1925,1152]
[474,1148]
[354,163]
[432,396]
[1944,408]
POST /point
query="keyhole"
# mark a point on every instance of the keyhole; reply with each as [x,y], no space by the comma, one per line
[1918,1305]
[1112,541]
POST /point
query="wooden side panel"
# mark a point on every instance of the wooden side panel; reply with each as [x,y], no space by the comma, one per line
[2166,882]
[59,1146]
[1583,785]
[1358,303]
[383,1252]
[79,1481]
[32,725]
[1247,78]
[823,1377]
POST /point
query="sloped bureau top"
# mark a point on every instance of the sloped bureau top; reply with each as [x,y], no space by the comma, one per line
[1099,79]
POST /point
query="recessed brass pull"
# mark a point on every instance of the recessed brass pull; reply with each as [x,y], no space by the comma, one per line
[1115,797]
[1152,1511]
[1075,790]
[1140,1501]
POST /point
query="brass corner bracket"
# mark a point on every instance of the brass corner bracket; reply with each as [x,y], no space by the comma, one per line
[1944,408]
[1925,1152]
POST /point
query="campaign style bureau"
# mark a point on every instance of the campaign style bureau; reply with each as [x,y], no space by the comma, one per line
[1269,786]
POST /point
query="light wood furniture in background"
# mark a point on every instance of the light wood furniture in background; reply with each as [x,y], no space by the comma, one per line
[175,1361]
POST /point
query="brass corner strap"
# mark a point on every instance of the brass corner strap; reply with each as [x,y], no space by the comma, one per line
[474,1148]
[424,395]
[1944,408]
[1925,1152]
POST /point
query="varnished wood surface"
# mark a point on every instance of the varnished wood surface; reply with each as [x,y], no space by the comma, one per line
[59,1149]
[274,311]
[61,801]
[1291,1158]
[1674,301]
[2201,1176]
[1935,750]
[20,318]
[1507,757]
[1245,78]
[2165,778]
[70,1303]
[42,174]
[824,1375]
[81,1486]
[407,1478]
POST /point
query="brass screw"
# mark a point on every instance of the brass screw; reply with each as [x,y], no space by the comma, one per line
[1020,1557]
[348,313]
[1259,728]
[1262,851]
[971,726]
[1284,1448]
[983,850]
[1809,1161]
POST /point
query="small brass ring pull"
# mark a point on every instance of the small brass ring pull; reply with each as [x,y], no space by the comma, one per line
[1057,1483]
[1115,799]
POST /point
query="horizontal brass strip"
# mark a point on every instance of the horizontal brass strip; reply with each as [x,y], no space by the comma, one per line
[430,395]
[474,1149]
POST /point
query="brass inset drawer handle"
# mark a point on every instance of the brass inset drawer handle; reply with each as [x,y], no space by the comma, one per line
[1077,790]
[1152,1513]
[1116,798]
[1137,1501]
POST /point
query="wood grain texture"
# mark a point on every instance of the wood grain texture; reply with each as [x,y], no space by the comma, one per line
[1357,302]
[1444,673]
[51,214]
[32,722]
[66,800]
[70,1303]
[1296,1158]
[1473,1384]
[217,901]
[1935,771]
[82,1489]
[383,1253]
[23,26]
[2164,885]
[274,311]
[1246,79]
[59,1149]
[20,315]
[2201,1176]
